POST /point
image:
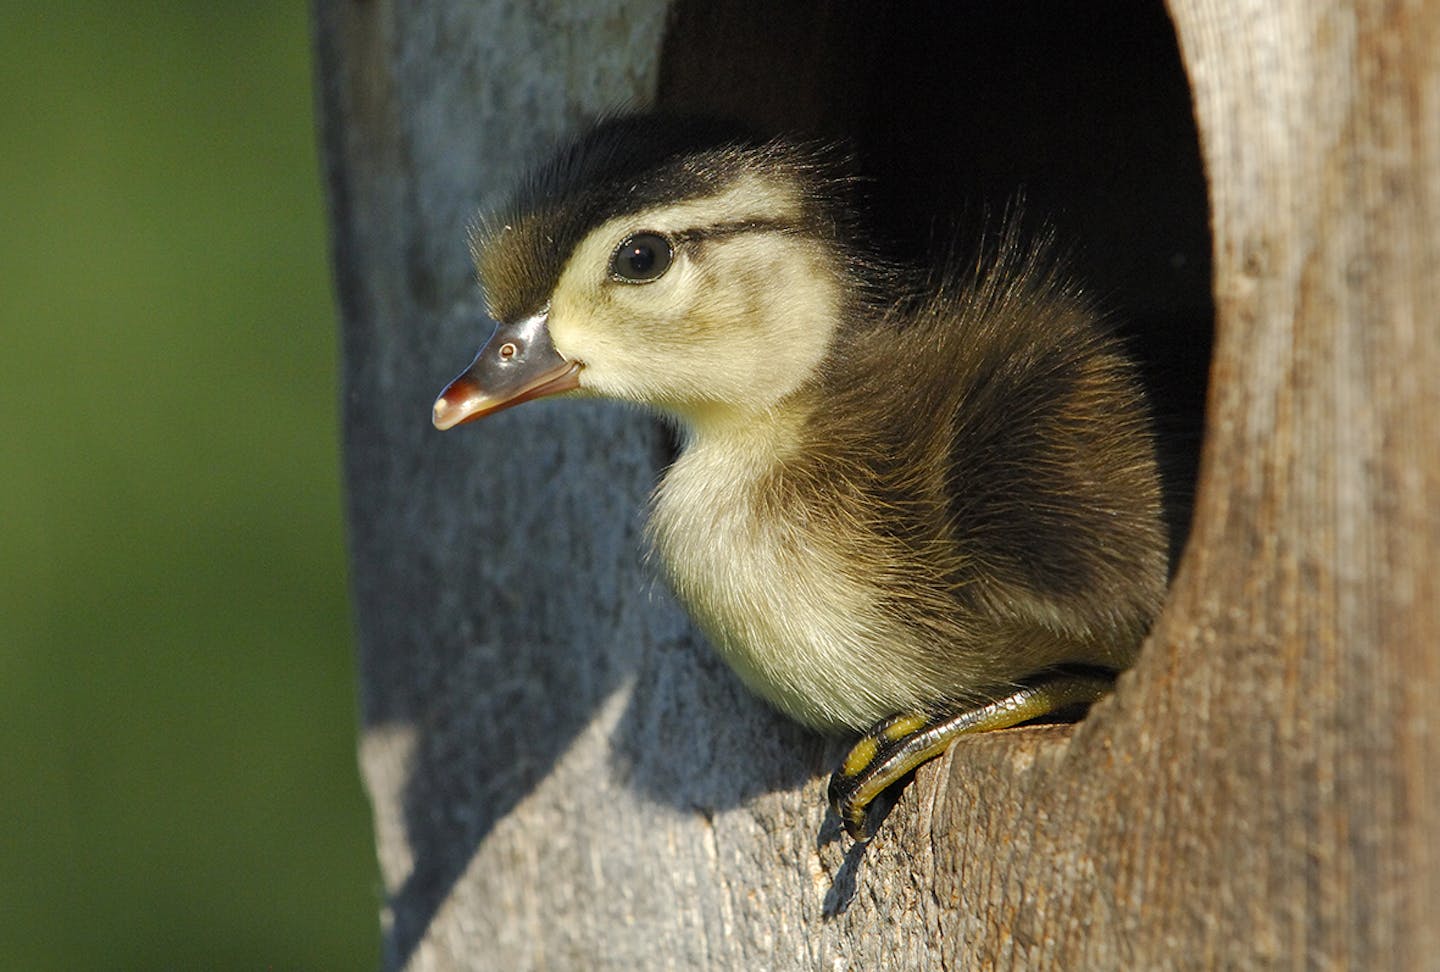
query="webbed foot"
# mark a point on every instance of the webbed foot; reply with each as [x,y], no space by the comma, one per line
[861,789]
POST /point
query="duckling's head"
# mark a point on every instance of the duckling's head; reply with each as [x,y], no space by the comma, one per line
[667,262]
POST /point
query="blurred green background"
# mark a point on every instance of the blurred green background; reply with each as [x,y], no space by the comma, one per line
[178,779]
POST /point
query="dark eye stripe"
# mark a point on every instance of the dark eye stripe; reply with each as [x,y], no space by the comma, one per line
[736,227]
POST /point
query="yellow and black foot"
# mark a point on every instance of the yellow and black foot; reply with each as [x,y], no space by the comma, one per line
[861,789]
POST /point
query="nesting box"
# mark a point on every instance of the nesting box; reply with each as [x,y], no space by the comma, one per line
[562,775]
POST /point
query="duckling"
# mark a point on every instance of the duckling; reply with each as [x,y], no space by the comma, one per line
[921,502]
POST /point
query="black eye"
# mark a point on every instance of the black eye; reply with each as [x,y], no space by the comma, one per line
[641,258]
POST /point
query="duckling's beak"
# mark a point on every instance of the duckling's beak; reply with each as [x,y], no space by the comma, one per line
[517,364]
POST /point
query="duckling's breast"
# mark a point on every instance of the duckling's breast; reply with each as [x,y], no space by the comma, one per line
[774,593]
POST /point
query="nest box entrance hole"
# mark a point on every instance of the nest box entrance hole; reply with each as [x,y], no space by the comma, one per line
[1080,113]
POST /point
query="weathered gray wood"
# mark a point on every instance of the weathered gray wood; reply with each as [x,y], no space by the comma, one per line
[562,775]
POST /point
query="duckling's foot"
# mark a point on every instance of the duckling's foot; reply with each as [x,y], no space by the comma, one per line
[861,789]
